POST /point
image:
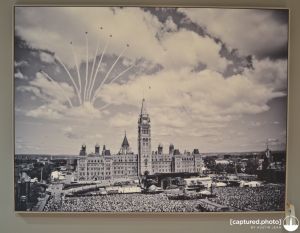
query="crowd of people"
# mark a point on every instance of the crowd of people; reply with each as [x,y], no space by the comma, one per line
[264,198]
[122,203]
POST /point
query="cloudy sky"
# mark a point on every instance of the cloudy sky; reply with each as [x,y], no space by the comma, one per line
[213,79]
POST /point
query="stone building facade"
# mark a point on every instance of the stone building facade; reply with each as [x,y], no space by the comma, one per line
[126,164]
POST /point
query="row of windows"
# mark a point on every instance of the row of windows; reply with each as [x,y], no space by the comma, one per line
[145,131]
[106,173]
[125,160]
[184,170]
[123,172]
[95,164]
[94,168]
[161,158]
[92,162]
[115,161]
[145,143]
[127,164]
[122,168]
[161,161]
[81,168]
[93,173]
[146,140]
[95,161]
[162,166]
[188,158]
[95,178]
[161,170]
[108,168]
[176,170]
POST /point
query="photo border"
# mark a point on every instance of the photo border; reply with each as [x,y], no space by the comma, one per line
[122,213]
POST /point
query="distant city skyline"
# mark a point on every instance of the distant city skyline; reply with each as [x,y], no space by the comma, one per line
[211,78]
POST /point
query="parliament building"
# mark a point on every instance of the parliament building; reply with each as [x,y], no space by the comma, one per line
[103,165]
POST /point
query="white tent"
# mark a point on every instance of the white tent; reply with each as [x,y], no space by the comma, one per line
[152,188]
[55,175]
[250,184]
[205,192]
[254,184]
[221,184]
[61,178]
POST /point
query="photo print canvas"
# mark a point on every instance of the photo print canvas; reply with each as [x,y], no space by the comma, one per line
[150,109]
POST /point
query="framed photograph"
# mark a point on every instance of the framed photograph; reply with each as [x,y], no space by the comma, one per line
[150,109]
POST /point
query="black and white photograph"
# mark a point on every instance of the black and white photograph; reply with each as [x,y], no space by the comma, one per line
[150,109]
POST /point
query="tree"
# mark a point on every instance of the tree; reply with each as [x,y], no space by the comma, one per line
[220,168]
[230,168]
[251,167]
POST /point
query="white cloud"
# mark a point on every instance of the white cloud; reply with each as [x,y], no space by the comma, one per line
[83,112]
[20,63]
[249,30]
[122,120]
[57,69]
[34,90]
[46,57]
[20,75]
[272,74]
[178,98]
[53,29]
[55,110]
[190,109]
[54,90]
[45,112]
[69,133]
[55,105]
[170,25]
[186,48]
[276,142]
[206,92]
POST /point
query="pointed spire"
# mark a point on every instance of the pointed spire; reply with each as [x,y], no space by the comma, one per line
[125,143]
[143,109]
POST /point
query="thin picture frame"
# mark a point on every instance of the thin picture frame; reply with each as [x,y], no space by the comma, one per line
[152,7]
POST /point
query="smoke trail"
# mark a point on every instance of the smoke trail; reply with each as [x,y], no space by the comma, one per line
[107,74]
[97,69]
[120,74]
[92,71]
[87,66]
[77,68]
[71,78]
[57,84]
[93,66]
[114,79]
[104,106]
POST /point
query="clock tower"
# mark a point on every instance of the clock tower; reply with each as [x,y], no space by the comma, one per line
[144,142]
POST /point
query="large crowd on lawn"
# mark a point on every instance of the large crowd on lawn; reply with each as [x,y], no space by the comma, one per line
[264,198]
[121,203]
